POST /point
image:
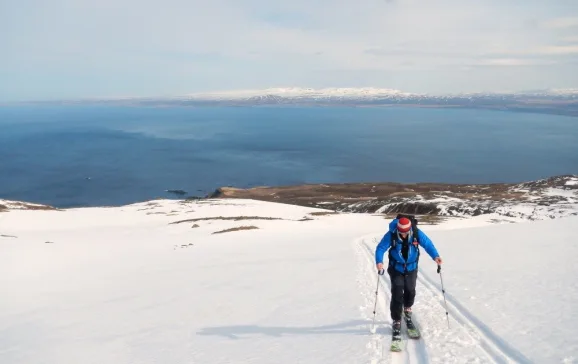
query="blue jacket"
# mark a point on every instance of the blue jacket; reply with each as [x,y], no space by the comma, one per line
[399,263]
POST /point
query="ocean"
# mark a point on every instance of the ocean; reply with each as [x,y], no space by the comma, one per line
[79,155]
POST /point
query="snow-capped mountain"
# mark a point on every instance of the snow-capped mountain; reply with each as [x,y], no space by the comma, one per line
[304,93]
[555,101]
[363,93]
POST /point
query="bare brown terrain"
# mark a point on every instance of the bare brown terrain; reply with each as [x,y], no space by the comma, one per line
[415,198]
[18,205]
[328,195]
[238,228]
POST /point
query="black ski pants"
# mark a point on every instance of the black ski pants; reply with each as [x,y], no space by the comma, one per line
[402,291]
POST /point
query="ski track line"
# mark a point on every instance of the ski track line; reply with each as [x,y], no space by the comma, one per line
[368,285]
[378,344]
[492,352]
[496,347]
[414,351]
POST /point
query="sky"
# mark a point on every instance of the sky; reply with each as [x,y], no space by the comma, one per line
[123,48]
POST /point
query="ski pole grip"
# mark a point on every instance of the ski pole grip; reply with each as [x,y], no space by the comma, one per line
[439,268]
[380,272]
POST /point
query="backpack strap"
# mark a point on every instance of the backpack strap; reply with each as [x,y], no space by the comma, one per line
[391,248]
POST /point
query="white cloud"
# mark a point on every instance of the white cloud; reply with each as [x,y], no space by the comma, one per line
[557,50]
[194,45]
[570,39]
[511,62]
[563,22]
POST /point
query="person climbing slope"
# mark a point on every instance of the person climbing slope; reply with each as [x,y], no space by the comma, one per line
[402,240]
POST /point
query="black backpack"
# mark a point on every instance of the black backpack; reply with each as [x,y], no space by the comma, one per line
[415,235]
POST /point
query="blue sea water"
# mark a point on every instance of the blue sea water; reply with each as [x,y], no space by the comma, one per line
[73,155]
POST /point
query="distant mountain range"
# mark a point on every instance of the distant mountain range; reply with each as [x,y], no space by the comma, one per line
[555,101]
[363,94]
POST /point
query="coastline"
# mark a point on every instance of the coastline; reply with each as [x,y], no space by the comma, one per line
[549,197]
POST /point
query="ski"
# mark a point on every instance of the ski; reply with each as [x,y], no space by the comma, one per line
[396,338]
[396,346]
[412,330]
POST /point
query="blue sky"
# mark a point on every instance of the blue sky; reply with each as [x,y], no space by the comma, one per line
[115,48]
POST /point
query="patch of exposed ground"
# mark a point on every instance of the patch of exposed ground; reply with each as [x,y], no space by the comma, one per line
[251,227]
[233,218]
[323,213]
[182,246]
[151,205]
[212,202]
[239,218]
[373,195]
[19,205]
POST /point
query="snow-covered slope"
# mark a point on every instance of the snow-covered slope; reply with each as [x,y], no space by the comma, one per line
[243,281]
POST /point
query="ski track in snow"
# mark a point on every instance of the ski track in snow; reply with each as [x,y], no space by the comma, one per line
[497,348]
[414,351]
[468,340]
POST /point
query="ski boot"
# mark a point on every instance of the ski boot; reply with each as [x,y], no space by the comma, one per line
[412,330]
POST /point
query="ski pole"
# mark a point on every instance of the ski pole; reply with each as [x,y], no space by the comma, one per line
[444,293]
[375,306]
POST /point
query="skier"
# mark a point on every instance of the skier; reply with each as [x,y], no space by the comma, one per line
[404,239]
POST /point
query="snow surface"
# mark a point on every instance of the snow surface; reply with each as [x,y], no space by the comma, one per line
[131,285]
